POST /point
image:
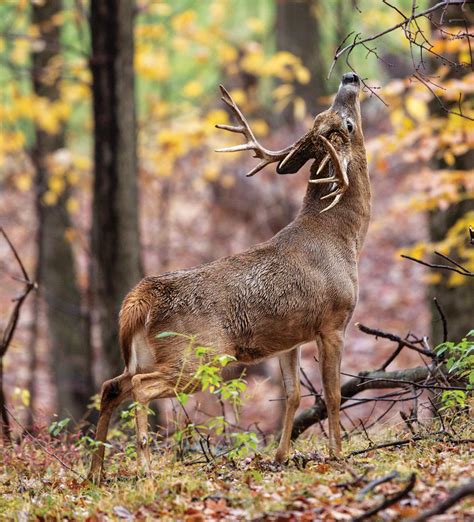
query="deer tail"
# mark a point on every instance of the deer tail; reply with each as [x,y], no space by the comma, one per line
[132,318]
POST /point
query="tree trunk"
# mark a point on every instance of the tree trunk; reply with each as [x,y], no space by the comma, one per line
[457,302]
[115,229]
[68,326]
[298,31]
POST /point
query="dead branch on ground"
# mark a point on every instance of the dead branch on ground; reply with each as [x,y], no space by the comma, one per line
[387,502]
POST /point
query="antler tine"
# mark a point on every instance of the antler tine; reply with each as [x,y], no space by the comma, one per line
[246,130]
[340,175]
[267,156]
[340,172]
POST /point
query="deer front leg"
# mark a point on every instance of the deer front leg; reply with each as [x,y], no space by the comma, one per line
[330,351]
[289,365]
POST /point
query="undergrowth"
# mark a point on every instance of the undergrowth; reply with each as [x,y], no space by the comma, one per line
[35,486]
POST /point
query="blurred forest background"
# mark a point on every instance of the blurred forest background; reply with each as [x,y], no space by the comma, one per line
[108,171]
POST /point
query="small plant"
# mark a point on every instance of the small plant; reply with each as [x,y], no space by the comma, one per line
[56,427]
[459,359]
[89,444]
[127,416]
[208,377]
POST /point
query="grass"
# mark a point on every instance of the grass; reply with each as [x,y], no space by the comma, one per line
[33,486]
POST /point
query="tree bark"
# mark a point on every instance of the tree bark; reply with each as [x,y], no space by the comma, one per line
[115,229]
[298,30]
[68,326]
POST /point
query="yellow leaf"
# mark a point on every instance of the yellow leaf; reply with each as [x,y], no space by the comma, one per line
[239,96]
[256,25]
[21,394]
[50,198]
[417,108]
[226,53]
[216,116]
[184,22]
[211,173]
[302,74]
[192,89]
[259,127]
[72,205]
[449,158]
[282,91]
[299,109]
[434,278]
[23,182]
[56,184]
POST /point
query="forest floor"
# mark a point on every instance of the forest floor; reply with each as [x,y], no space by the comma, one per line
[35,486]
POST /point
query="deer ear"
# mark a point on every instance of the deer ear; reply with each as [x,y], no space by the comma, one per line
[298,156]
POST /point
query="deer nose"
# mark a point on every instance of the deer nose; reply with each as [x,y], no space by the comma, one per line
[350,78]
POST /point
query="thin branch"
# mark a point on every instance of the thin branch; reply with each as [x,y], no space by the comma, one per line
[389,501]
[395,338]
[376,482]
[443,320]
[463,270]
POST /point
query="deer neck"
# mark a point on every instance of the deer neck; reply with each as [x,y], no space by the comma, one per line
[349,219]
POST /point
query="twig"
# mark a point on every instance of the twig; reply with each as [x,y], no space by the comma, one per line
[443,319]
[389,501]
[376,482]
[392,357]
[455,496]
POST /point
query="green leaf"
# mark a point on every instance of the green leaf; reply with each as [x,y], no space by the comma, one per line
[162,335]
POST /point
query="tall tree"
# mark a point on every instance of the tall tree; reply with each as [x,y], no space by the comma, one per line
[298,30]
[115,229]
[68,325]
[457,302]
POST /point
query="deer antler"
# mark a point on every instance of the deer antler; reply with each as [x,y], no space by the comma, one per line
[287,155]
[267,156]
[339,177]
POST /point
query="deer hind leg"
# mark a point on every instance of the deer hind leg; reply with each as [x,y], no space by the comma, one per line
[145,388]
[113,393]
[330,351]
[289,365]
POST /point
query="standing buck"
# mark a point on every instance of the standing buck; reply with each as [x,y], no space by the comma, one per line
[299,286]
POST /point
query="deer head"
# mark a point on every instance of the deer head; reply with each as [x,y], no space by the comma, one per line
[335,135]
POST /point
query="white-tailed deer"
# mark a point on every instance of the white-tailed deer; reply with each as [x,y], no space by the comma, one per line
[299,286]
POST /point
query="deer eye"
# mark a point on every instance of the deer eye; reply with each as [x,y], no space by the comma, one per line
[350,126]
